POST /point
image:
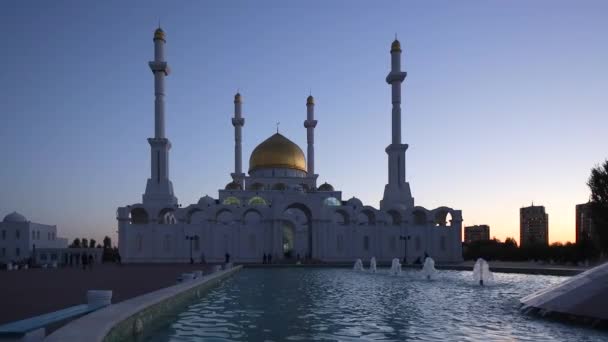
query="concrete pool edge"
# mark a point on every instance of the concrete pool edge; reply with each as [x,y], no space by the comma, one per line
[121,321]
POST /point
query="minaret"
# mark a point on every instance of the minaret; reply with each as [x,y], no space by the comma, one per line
[238,122]
[397,191]
[159,189]
[310,125]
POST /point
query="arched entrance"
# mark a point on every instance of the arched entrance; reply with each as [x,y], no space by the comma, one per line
[302,216]
[288,239]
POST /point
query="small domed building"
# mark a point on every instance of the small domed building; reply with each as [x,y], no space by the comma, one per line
[277,208]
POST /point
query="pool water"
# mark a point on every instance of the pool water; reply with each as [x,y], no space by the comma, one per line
[343,305]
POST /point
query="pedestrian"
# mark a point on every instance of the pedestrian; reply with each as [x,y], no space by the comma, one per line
[227,257]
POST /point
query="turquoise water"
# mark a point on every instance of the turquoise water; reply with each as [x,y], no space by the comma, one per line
[344,305]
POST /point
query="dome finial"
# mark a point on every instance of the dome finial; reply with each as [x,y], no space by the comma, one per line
[159,33]
[278,123]
[396,45]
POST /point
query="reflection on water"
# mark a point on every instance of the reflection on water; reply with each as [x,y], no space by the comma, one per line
[340,304]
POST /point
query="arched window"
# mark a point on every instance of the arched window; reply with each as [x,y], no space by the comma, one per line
[140,242]
[252,217]
[395,217]
[257,186]
[279,186]
[224,217]
[419,218]
[257,200]
[332,202]
[167,243]
[341,217]
[139,216]
[366,243]
[392,243]
[252,246]
[231,201]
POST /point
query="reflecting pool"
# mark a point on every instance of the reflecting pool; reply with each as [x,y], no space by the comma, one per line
[303,304]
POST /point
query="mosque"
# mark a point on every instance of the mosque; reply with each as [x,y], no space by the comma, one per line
[277,208]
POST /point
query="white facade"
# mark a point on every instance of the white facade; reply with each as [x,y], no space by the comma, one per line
[278,209]
[19,237]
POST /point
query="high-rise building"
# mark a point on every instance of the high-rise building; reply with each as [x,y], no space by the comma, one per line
[533,226]
[476,233]
[584,223]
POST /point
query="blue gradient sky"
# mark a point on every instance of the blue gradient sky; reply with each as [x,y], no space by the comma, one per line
[505,101]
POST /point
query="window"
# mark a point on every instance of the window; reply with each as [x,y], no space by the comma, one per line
[33,235]
[252,243]
[332,201]
[38,235]
[257,200]
[17,234]
[54,256]
[3,234]
[43,257]
[167,243]
[17,251]
[340,243]
[366,243]
[231,201]
[392,243]
[48,236]
[140,243]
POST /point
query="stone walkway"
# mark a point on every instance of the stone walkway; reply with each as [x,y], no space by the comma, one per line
[27,293]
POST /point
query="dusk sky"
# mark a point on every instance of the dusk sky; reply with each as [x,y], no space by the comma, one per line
[505,102]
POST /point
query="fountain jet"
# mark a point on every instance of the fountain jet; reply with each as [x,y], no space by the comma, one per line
[428,270]
[372,265]
[396,267]
[358,265]
[482,273]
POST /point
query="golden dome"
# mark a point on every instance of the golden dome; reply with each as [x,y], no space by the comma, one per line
[396,46]
[310,100]
[277,152]
[159,34]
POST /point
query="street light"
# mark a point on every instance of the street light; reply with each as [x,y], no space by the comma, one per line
[404,239]
[191,238]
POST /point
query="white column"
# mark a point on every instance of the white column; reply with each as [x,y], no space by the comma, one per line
[310,125]
[238,122]
[159,189]
[397,190]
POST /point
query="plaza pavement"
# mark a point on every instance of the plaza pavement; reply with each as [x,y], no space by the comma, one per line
[27,293]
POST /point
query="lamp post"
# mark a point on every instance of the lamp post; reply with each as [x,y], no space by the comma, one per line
[191,238]
[404,238]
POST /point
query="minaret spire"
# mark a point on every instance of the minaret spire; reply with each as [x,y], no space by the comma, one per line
[310,125]
[397,191]
[238,122]
[159,189]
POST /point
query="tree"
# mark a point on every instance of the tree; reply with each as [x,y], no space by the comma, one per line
[76,243]
[92,243]
[598,184]
[107,242]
